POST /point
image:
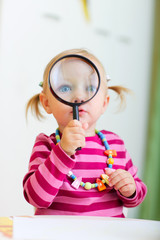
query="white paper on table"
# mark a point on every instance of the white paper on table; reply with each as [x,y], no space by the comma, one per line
[87,228]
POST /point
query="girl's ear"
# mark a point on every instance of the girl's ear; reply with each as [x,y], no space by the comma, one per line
[45,103]
[105,104]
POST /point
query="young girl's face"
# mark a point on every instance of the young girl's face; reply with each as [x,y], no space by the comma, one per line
[88,112]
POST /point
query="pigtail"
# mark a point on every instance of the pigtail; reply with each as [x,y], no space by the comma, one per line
[121,93]
[34,105]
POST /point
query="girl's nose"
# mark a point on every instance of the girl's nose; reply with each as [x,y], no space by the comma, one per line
[77,99]
[79,95]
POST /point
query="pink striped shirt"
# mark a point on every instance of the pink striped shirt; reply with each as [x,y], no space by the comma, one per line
[48,188]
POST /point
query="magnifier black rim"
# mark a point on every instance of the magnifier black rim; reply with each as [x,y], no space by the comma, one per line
[70,56]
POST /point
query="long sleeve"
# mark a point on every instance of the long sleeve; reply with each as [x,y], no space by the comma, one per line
[47,169]
[50,190]
[141,189]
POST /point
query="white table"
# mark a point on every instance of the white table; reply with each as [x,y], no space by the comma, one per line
[87,228]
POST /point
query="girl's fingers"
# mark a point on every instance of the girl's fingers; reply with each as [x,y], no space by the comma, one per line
[74,123]
[117,176]
[108,171]
[120,177]
[124,182]
[73,136]
[126,188]
[75,127]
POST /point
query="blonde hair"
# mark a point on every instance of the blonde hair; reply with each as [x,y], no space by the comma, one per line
[34,102]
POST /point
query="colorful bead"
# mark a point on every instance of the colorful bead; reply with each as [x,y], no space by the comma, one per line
[112,152]
[73,177]
[69,173]
[88,186]
[110,161]
[82,184]
[76,183]
[101,185]
[109,165]
[94,185]
[105,178]
[57,137]
[106,145]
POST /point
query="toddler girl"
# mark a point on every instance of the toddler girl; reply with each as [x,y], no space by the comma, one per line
[97,180]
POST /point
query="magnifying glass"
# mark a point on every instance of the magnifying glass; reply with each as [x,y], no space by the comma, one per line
[74,80]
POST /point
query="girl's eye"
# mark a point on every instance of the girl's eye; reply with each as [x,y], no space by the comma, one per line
[91,88]
[64,89]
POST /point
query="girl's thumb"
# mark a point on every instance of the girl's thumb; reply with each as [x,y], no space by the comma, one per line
[109,171]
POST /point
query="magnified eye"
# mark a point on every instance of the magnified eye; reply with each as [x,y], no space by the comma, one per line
[91,88]
[64,89]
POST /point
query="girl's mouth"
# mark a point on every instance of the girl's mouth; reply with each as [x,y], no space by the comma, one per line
[81,111]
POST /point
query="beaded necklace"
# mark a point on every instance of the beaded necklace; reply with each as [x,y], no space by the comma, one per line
[100,183]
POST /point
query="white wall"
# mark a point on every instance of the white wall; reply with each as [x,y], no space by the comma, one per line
[32,32]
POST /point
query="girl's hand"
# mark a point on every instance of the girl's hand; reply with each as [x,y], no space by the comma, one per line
[73,136]
[122,181]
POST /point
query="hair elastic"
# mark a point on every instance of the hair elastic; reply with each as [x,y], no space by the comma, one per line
[41,84]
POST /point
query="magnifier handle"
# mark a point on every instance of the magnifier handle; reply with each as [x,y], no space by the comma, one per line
[75,112]
[76,116]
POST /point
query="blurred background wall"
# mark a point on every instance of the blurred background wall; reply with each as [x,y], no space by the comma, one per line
[118,32]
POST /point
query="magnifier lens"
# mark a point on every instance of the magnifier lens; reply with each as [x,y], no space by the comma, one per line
[74,80]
